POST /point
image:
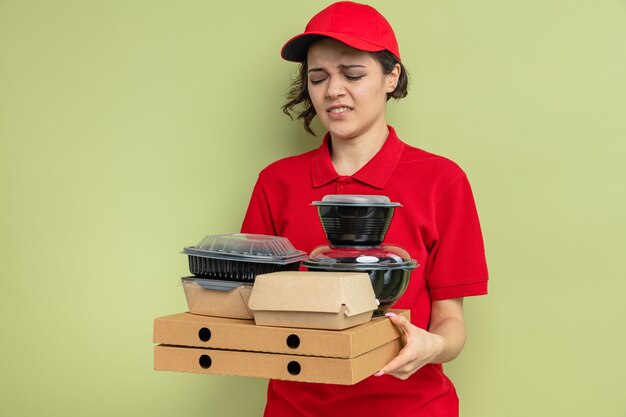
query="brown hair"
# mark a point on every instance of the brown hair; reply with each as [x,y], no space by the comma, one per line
[299,93]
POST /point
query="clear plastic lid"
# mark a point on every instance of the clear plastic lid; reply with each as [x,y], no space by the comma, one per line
[214,284]
[247,247]
[358,200]
[360,259]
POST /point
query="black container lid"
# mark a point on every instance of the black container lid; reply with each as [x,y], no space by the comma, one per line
[356,200]
[360,259]
[247,247]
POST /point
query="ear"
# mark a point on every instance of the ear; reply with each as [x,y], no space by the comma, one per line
[392,78]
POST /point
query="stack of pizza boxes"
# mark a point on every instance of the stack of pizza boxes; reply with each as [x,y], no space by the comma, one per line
[253,313]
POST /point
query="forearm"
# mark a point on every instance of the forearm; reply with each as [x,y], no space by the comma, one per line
[453,335]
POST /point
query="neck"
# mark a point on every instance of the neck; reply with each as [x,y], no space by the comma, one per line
[350,155]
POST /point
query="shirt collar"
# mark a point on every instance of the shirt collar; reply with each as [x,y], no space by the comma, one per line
[375,173]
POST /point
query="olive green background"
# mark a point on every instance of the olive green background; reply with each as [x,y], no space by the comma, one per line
[129,129]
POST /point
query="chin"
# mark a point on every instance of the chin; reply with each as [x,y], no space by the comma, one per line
[342,132]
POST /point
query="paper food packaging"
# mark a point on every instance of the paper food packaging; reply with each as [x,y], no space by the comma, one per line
[192,330]
[318,300]
[273,365]
[219,298]
[214,345]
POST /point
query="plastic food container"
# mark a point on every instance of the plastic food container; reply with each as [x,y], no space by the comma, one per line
[241,256]
[212,297]
[389,268]
[355,220]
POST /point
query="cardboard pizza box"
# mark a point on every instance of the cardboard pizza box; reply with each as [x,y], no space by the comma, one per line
[275,365]
[192,330]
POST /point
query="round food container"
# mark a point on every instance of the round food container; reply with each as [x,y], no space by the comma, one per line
[355,220]
[389,268]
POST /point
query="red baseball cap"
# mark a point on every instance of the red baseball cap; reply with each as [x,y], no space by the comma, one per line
[357,25]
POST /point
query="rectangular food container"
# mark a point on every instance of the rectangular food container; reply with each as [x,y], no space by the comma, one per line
[317,300]
[242,256]
[211,297]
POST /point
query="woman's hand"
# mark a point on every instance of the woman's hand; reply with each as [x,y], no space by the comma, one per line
[442,343]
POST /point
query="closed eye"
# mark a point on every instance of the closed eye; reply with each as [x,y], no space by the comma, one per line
[317,81]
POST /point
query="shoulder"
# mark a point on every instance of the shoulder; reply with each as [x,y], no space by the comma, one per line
[430,166]
[288,167]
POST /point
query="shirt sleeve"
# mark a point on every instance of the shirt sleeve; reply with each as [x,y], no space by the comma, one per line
[258,218]
[456,264]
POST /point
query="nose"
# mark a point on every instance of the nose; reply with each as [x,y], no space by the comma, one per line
[335,87]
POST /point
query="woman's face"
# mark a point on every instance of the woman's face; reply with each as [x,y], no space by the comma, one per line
[348,89]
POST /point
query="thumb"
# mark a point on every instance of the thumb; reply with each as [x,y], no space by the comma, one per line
[401,322]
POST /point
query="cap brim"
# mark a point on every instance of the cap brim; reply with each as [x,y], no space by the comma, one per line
[296,48]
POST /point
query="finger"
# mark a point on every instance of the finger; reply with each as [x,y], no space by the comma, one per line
[401,322]
[403,359]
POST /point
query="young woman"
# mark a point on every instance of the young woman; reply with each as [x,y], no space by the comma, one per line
[350,67]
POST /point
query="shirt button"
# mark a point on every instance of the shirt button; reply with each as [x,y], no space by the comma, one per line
[343,183]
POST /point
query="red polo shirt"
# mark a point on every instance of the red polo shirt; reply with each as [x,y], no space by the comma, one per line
[437,224]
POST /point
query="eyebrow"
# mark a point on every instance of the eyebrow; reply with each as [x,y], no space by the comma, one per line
[342,66]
